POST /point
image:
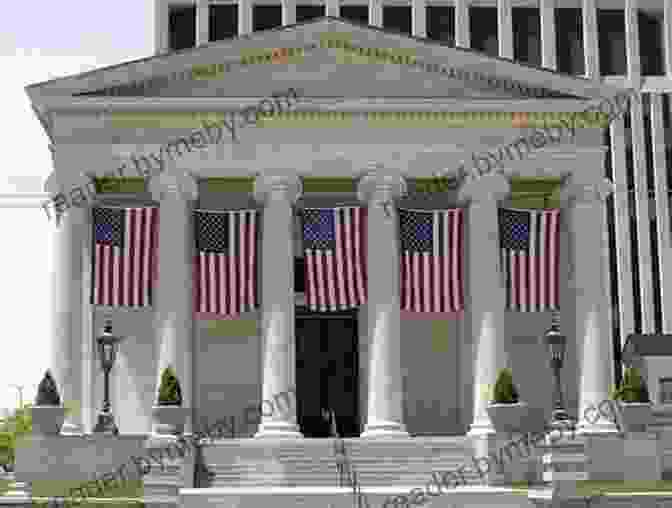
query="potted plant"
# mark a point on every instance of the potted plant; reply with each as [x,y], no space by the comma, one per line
[169,415]
[13,429]
[633,401]
[506,411]
[48,414]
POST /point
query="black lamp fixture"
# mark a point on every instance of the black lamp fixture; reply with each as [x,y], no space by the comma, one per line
[557,345]
[107,350]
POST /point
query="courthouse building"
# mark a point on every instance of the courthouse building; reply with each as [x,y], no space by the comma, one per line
[271,262]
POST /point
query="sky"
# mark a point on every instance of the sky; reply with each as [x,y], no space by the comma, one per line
[40,41]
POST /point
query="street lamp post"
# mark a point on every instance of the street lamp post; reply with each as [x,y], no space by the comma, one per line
[557,344]
[107,349]
[20,390]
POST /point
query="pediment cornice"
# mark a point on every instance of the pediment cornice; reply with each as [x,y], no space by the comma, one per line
[320,39]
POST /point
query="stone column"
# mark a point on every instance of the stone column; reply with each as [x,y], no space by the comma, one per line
[278,192]
[288,12]
[67,290]
[385,409]
[584,207]
[332,8]
[174,287]
[202,22]
[487,296]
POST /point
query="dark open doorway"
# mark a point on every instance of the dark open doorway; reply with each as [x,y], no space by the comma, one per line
[327,372]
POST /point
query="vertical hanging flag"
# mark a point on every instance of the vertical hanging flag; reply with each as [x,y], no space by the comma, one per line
[124,256]
[431,260]
[225,268]
[334,240]
[529,258]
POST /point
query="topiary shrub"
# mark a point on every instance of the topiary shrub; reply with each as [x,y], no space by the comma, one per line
[633,388]
[47,392]
[169,389]
[505,391]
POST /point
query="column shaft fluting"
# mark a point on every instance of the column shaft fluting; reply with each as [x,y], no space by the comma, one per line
[385,399]
[593,337]
[487,297]
[174,287]
[277,272]
[66,353]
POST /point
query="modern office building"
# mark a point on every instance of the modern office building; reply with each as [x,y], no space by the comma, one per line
[343,315]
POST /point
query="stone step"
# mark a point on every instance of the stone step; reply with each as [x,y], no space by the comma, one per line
[383,462]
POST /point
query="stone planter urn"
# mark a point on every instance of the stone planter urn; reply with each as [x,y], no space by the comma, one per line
[48,414]
[635,416]
[47,420]
[508,417]
[169,420]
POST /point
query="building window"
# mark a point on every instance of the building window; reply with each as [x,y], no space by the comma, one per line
[397,18]
[526,35]
[665,390]
[569,41]
[223,22]
[265,17]
[356,13]
[441,23]
[651,42]
[611,39]
[306,12]
[181,27]
[483,29]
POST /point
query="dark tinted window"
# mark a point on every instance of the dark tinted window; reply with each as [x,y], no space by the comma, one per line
[265,17]
[397,18]
[223,22]
[569,41]
[441,23]
[356,13]
[306,12]
[526,35]
[651,43]
[181,27]
[483,29]
[611,30]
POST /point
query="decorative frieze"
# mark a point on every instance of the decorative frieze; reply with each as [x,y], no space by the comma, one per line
[376,119]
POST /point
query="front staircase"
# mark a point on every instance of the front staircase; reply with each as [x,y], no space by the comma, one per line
[310,462]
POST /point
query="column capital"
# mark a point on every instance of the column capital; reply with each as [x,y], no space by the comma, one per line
[270,185]
[586,192]
[381,185]
[486,188]
[182,186]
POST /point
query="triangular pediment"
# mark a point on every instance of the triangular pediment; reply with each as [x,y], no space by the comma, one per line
[328,57]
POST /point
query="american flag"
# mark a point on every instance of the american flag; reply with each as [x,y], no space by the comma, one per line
[124,255]
[226,269]
[431,260]
[334,240]
[529,258]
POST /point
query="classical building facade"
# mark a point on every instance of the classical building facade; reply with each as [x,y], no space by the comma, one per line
[377,113]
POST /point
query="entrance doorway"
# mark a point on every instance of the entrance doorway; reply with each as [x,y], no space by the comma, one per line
[327,370]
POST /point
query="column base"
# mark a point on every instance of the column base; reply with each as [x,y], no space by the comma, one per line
[604,427]
[278,430]
[71,429]
[481,429]
[384,429]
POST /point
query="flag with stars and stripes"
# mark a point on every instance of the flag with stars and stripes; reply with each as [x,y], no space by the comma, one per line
[225,281]
[124,256]
[529,259]
[431,260]
[334,242]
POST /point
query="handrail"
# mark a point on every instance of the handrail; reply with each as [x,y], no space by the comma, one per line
[345,468]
